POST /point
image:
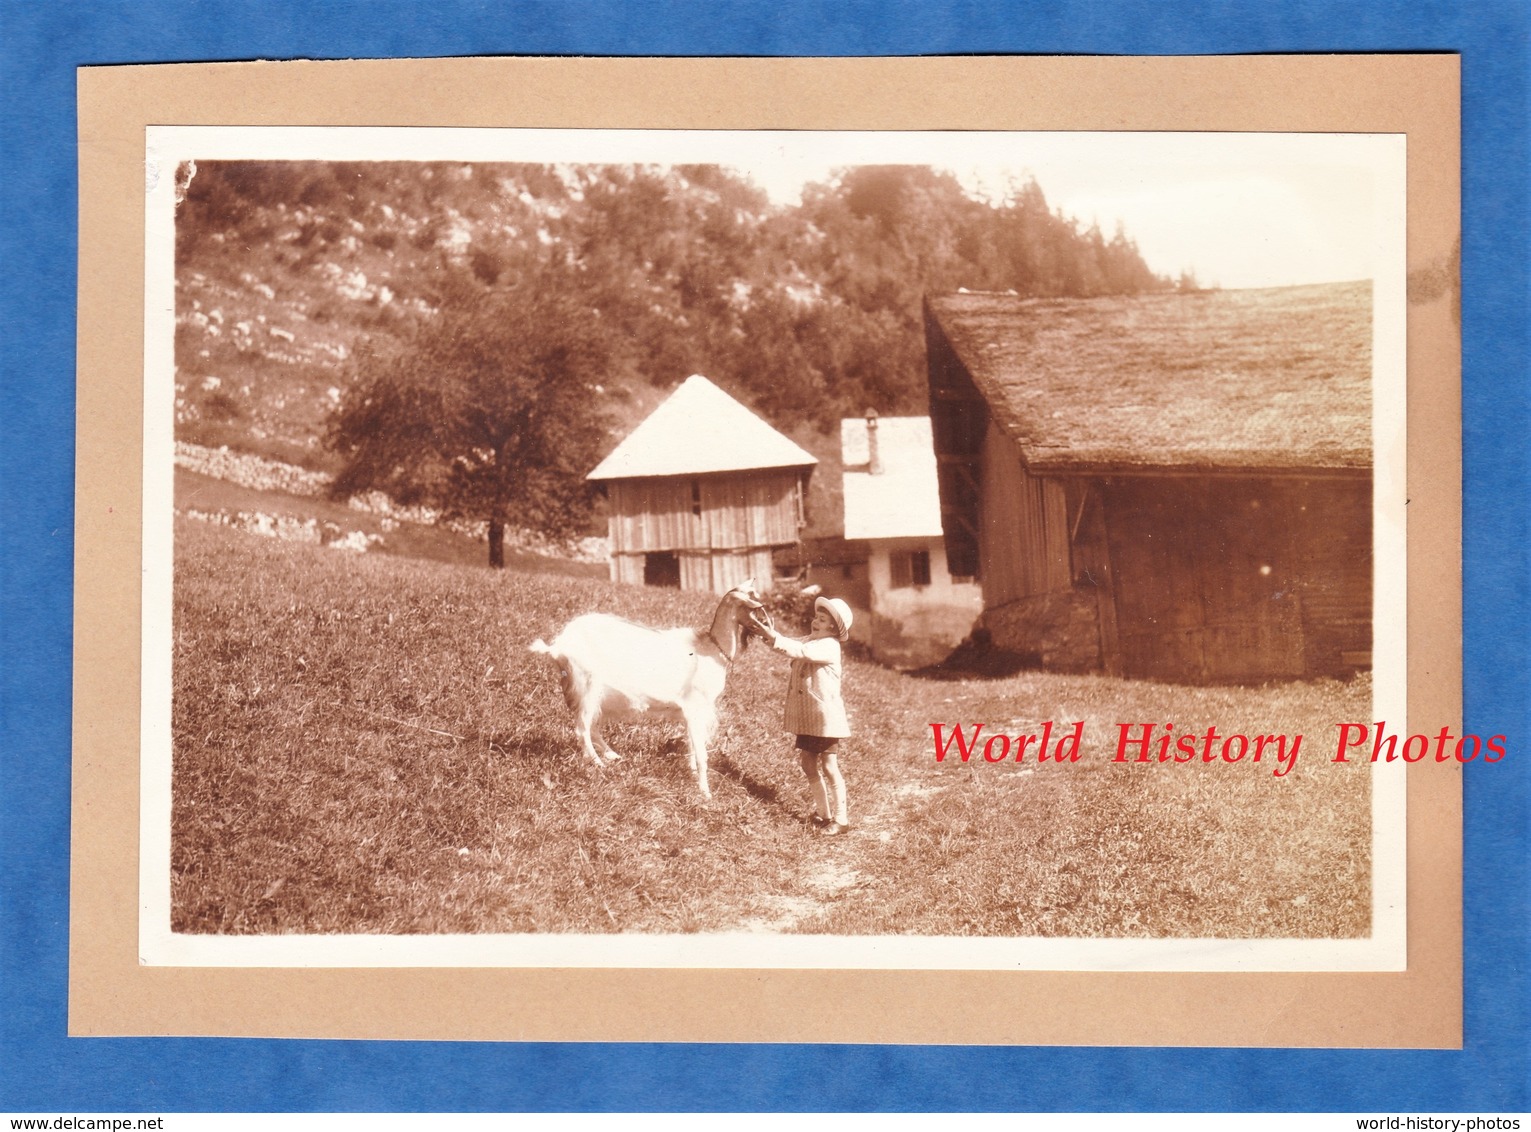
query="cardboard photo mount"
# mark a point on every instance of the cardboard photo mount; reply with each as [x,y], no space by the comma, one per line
[111,993]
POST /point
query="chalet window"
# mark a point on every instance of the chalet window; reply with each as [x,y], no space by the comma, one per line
[910,568]
[696,497]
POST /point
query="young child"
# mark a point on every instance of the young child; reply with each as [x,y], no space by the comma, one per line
[815,711]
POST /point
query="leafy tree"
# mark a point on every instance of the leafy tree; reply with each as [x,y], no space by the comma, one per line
[485,412]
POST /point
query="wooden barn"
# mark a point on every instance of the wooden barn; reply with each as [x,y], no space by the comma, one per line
[701,493]
[1170,486]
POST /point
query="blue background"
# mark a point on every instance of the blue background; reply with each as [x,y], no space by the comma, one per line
[41,1069]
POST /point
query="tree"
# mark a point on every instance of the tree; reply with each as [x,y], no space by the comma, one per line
[485,413]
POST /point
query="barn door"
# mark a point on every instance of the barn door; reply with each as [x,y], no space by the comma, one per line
[1202,592]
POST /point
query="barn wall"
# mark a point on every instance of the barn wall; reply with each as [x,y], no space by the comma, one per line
[1330,551]
[1232,579]
[758,509]
[627,568]
[726,569]
[1210,579]
[1024,544]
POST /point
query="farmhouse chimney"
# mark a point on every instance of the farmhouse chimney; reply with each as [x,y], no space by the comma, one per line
[874,458]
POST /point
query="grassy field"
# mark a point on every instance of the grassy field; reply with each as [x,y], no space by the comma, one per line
[362,743]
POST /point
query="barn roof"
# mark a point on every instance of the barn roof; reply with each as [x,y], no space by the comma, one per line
[1276,378]
[903,501]
[696,430]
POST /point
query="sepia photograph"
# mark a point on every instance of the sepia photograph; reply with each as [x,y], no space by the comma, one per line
[668,573]
[752,549]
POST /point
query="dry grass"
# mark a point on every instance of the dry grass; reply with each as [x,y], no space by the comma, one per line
[363,744]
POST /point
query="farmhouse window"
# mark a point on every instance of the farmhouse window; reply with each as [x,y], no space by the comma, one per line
[910,568]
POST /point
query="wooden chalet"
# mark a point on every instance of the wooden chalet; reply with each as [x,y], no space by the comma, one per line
[701,493]
[1170,486]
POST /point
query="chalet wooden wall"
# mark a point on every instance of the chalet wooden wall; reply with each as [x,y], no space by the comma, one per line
[721,528]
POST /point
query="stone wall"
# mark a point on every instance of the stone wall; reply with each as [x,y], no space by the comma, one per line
[1060,631]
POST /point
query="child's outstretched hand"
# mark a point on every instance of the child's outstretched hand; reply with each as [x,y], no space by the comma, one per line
[760,621]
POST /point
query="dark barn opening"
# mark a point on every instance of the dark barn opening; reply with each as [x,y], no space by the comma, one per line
[661,569]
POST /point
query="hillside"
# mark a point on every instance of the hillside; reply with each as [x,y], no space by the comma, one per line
[293,278]
[285,271]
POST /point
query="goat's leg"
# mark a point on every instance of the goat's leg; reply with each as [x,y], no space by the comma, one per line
[597,732]
[701,723]
[588,723]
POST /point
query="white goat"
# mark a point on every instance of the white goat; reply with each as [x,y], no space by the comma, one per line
[612,667]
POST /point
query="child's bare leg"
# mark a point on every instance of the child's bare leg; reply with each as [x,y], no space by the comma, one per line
[810,763]
[829,765]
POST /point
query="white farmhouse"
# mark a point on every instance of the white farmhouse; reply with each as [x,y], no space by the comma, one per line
[919,611]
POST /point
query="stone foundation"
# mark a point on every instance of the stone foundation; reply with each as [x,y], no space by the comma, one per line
[1060,631]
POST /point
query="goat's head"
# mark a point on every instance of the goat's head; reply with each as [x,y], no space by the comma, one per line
[735,610]
[746,592]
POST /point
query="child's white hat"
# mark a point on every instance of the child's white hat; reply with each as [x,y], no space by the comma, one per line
[839,612]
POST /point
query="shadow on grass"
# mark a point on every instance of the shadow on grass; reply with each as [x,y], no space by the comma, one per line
[978,658]
[720,763]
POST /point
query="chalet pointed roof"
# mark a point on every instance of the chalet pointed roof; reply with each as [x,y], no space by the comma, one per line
[697,430]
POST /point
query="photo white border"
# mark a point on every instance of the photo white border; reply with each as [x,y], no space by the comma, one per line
[1382,154]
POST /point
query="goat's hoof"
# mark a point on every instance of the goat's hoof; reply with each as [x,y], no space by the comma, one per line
[612,756]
